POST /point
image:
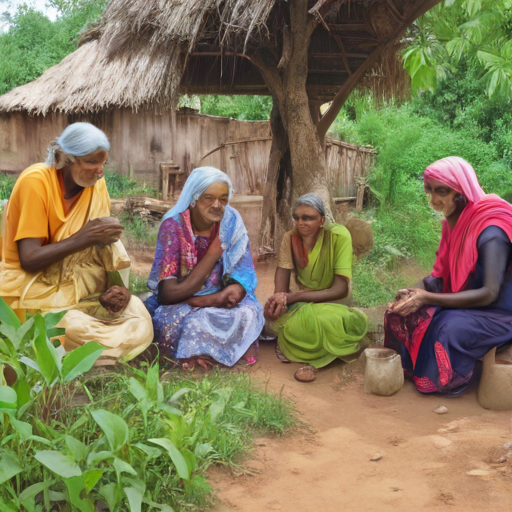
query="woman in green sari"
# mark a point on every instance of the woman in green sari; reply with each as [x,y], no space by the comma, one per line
[312,327]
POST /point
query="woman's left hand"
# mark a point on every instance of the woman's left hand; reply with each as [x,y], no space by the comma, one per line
[232,295]
[413,300]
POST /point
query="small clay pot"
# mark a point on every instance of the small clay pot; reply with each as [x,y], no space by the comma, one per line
[495,388]
[383,374]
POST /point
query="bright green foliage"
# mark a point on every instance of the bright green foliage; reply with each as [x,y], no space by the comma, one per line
[244,108]
[136,438]
[34,43]
[475,32]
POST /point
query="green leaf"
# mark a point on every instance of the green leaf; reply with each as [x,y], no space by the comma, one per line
[77,449]
[9,465]
[39,439]
[81,360]
[169,409]
[34,490]
[8,398]
[52,319]
[114,428]
[46,356]
[22,389]
[75,486]
[150,451]
[95,457]
[175,455]
[21,332]
[123,467]
[23,428]
[152,381]
[91,478]
[7,315]
[134,498]
[58,463]
[30,363]
[179,394]
[137,389]
[111,495]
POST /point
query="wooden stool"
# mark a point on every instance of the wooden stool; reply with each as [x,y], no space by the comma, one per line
[170,172]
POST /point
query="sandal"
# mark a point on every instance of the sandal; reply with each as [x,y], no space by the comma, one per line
[188,364]
[281,356]
[306,373]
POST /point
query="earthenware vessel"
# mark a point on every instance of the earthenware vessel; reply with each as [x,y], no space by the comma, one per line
[383,375]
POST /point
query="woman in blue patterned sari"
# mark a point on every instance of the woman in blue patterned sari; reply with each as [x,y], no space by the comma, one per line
[203,278]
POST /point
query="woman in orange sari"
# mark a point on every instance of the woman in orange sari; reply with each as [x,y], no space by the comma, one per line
[60,246]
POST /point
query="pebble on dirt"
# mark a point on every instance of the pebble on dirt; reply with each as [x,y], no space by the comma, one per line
[441,409]
[377,457]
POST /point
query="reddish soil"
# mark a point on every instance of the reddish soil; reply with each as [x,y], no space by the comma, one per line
[429,461]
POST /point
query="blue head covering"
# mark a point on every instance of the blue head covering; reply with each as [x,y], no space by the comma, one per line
[236,258]
[198,181]
[78,139]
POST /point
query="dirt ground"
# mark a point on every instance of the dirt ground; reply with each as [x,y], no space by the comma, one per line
[429,461]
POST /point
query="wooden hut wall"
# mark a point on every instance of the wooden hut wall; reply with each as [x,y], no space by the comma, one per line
[347,167]
[140,141]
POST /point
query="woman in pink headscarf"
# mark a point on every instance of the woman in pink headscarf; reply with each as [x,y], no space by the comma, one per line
[464,308]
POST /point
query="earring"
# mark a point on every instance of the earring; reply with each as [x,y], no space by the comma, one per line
[192,204]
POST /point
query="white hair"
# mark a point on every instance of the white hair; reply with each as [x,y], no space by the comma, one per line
[311,200]
[77,140]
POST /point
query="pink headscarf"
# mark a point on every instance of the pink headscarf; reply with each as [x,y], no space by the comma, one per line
[457,255]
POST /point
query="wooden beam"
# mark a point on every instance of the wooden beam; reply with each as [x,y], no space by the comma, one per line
[349,27]
[343,54]
[394,11]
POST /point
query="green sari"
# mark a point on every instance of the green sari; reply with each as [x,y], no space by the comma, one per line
[319,333]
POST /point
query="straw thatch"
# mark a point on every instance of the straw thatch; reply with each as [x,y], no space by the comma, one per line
[147,52]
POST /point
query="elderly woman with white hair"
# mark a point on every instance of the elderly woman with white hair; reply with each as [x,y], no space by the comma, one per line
[313,328]
[61,247]
[204,308]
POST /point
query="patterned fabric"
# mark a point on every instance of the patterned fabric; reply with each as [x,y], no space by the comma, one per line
[183,331]
[438,345]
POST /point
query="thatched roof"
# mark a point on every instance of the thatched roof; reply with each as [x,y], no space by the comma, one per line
[147,52]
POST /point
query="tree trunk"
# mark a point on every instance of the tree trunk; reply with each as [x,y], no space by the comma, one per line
[297,157]
[277,194]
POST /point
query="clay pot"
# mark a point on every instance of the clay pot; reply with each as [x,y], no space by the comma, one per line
[495,388]
[383,374]
[9,375]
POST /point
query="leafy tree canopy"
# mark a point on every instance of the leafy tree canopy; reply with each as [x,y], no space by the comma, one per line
[473,33]
[34,43]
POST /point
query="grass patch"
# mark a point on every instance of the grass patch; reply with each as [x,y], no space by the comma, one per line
[6,185]
[120,187]
[138,231]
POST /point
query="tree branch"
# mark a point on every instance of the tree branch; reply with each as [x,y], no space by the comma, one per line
[342,95]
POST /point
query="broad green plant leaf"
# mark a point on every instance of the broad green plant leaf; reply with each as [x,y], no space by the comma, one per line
[23,428]
[150,451]
[179,394]
[123,467]
[46,355]
[58,463]
[175,455]
[134,498]
[77,449]
[75,486]
[91,478]
[81,360]
[95,457]
[34,490]
[158,506]
[9,465]
[8,398]
[7,315]
[169,409]
[137,389]
[51,320]
[111,495]
[114,427]
[22,389]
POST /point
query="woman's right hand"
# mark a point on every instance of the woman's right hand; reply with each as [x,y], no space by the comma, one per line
[215,250]
[102,231]
[275,306]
